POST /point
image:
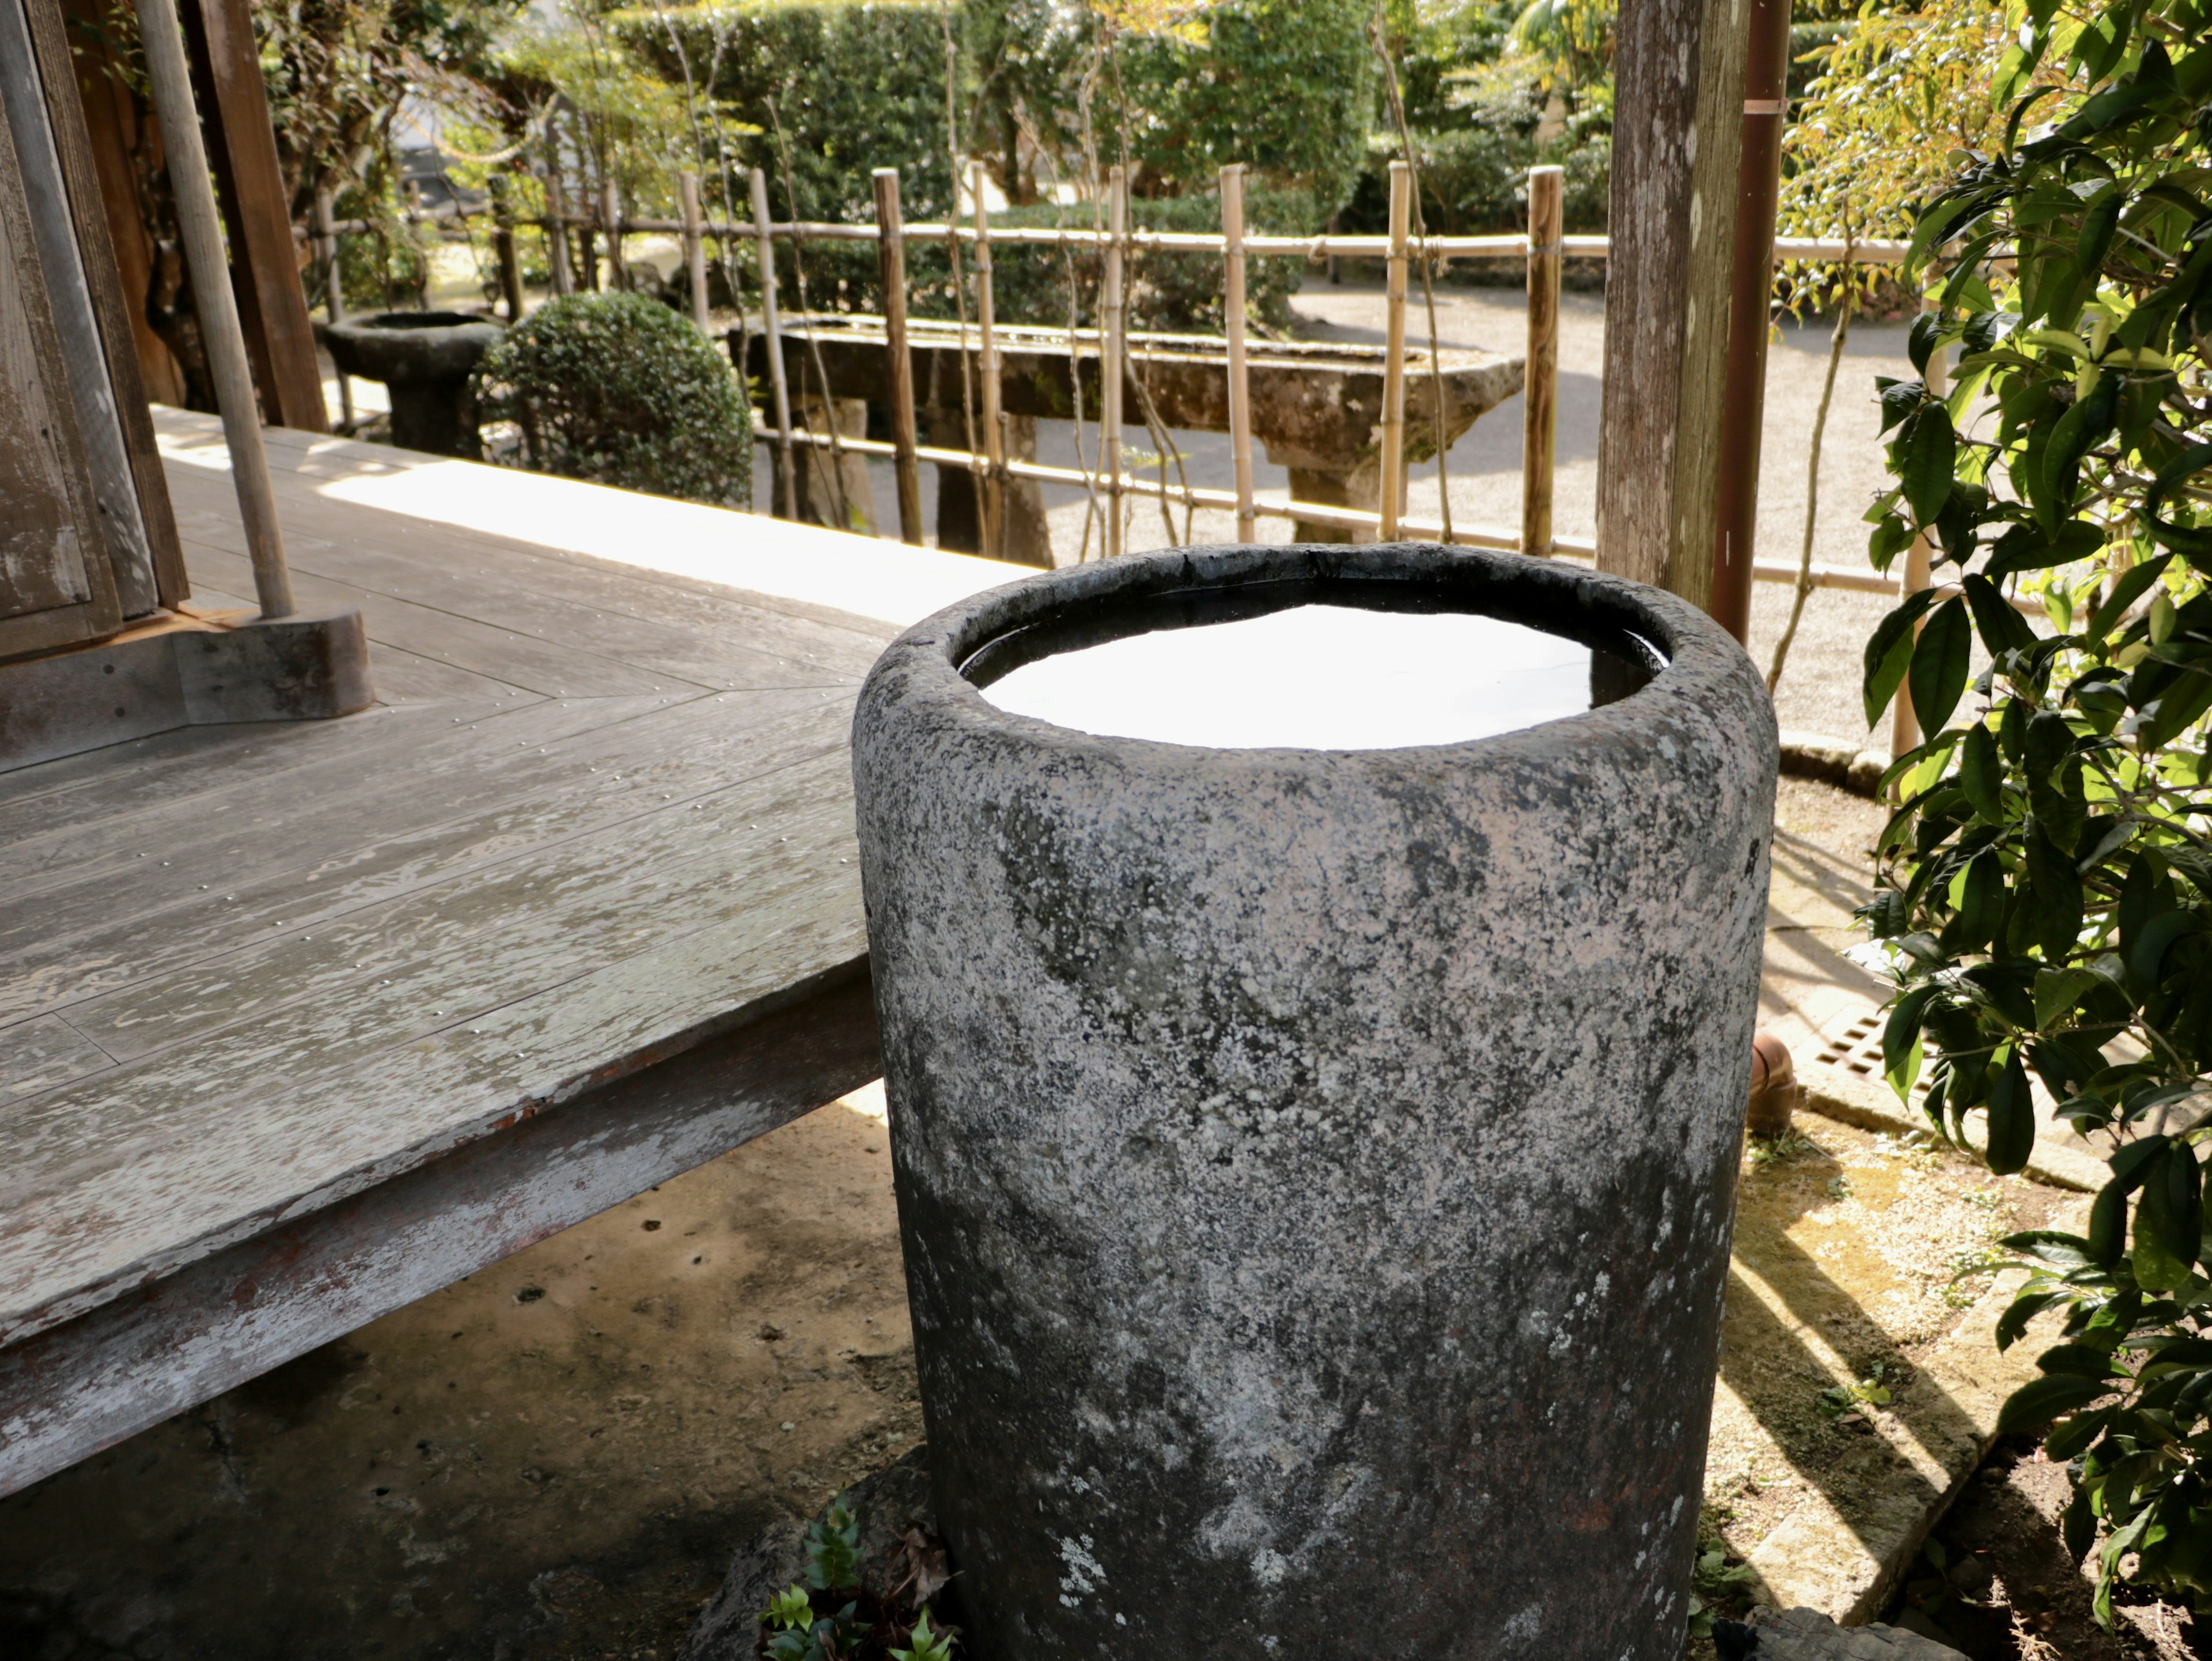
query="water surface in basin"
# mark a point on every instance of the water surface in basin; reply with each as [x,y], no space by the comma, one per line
[1368,666]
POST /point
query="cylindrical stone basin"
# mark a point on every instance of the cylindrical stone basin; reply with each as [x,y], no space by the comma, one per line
[426,359]
[1316,1163]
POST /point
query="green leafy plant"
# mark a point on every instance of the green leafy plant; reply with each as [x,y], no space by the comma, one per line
[852,1609]
[923,1645]
[1718,1585]
[617,389]
[832,1549]
[1871,1391]
[2046,898]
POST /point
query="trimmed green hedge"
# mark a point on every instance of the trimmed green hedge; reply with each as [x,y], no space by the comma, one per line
[617,389]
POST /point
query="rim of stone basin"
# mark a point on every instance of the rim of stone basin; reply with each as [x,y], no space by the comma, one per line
[1696,657]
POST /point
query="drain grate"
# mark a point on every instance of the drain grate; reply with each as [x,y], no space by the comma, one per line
[1857,1048]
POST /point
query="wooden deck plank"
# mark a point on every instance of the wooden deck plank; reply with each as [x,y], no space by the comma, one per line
[404,677]
[159,1348]
[295,940]
[208,905]
[139,778]
[332,543]
[182,1160]
[436,764]
[782,564]
[637,590]
[488,648]
[38,1055]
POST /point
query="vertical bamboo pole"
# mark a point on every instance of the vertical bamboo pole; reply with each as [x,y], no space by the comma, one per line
[772,329]
[556,227]
[502,237]
[890,250]
[694,249]
[1394,355]
[1240,383]
[327,249]
[1540,391]
[994,448]
[1113,350]
[161,40]
[1743,395]
[610,211]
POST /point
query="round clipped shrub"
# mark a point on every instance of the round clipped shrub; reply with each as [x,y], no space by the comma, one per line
[619,390]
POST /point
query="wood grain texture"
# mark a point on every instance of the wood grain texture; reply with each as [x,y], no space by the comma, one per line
[123,136]
[286,1012]
[1677,136]
[160,1348]
[119,341]
[55,587]
[121,536]
[272,306]
[1540,384]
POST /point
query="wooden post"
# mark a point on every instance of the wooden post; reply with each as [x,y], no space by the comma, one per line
[772,329]
[241,143]
[1540,390]
[1393,484]
[994,435]
[1904,725]
[502,238]
[1240,383]
[1112,355]
[162,40]
[890,250]
[610,215]
[1743,397]
[326,250]
[1679,67]
[694,249]
[73,142]
[556,227]
[119,530]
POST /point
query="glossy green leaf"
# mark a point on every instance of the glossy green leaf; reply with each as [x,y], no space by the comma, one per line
[1889,651]
[2127,589]
[1940,659]
[2012,1118]
[1927,456]
[2037,1402]
[1981,773]
[2058,991]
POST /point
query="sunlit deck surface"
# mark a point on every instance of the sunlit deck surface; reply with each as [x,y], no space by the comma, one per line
[299,1022]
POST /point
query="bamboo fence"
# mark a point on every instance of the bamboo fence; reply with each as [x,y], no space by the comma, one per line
[1543,247]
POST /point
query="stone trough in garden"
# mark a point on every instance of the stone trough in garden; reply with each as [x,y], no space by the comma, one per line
[1316,406]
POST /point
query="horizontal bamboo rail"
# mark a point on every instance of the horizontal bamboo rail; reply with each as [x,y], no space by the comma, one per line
[1511,245]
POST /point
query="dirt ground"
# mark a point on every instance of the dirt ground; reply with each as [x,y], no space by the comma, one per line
[2006,1591]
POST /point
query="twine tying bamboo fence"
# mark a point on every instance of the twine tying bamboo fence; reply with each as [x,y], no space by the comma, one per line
[1543,247]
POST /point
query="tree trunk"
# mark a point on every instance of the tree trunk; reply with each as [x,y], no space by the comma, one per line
[1678,137]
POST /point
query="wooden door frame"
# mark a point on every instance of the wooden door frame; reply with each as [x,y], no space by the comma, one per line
[241,143]
[72,139]
[44,394]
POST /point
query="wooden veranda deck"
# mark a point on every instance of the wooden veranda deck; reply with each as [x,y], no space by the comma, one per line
[299,1022]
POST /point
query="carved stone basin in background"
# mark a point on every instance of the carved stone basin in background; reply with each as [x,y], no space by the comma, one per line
[426,359]
[1316,406]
